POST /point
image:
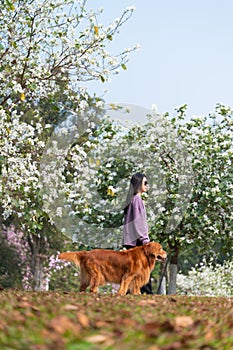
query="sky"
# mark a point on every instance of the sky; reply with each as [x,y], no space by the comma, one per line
[186,54]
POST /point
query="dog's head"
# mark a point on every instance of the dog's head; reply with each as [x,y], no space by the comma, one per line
[154,248]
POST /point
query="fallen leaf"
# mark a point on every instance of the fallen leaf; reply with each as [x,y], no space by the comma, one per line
[153,347]
[3,325]
[70,307]
[147,302]
[25,305]
[174,346]
[83,320]
[209,335]
[61,324]
[153,329]
[101,324]
[183,322]
[98,338]
[22,298]
[18,317]
[54,338]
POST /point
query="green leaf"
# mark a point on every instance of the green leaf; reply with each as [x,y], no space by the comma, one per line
[109,37]
[9,5]
[102,79]
[14,44]
[123,66]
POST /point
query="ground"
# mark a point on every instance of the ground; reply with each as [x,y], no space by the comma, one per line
[84,321]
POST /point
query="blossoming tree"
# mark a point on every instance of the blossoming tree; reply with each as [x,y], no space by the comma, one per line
[206,222]
[48,49]
[188,163]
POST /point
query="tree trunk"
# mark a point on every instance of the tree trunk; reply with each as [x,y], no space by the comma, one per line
[40,282]
[163,280]
[173,268]
[162,289]
[37,245]
[172,279]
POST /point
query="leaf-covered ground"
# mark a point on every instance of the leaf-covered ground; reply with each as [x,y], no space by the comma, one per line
[79,321]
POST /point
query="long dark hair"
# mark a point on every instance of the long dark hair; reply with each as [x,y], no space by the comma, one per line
[134,188]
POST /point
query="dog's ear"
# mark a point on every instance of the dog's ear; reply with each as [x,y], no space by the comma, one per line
[152,248]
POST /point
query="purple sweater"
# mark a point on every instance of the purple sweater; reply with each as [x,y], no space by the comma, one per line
[135,223]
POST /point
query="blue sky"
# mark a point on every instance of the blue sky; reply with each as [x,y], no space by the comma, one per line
[186,54]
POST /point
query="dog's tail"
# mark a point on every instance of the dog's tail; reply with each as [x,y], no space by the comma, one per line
[71,256]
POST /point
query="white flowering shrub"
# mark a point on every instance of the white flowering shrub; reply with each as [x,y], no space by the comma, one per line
[20,149]
[61,275]
[207,279]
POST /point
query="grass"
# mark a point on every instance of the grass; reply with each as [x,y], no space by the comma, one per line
[84,321]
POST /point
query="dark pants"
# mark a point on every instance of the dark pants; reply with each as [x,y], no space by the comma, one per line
[147,288]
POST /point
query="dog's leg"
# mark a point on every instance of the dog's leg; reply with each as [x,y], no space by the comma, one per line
[94,284]
[84,279]
[135,286]
[125,282]
[83,286]
[95,280]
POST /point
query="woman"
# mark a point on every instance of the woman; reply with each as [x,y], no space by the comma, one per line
[135,229]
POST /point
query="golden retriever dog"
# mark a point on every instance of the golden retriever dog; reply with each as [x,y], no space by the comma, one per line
[130,268]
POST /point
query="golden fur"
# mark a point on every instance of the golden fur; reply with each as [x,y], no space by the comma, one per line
[129,268]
